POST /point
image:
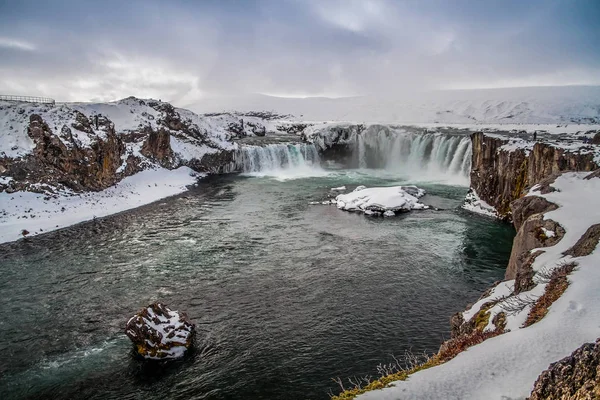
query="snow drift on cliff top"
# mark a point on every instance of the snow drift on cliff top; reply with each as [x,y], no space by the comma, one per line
[532,105]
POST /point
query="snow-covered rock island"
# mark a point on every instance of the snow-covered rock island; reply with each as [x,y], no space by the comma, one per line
[386,201]
[159,333]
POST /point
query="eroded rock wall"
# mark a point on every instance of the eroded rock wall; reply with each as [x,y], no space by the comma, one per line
[86,153]
[575,377]
[65,161]
[501,175]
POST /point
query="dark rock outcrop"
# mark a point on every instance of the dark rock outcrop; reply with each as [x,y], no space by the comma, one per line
[160,333]
[525,207]
[500,176]
[157,147]
[586,243]
[595,174]
[533,231]
[575,377]
[222,161]
[64,161]
[293,128]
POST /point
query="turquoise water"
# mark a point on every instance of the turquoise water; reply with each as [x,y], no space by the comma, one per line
[285,295]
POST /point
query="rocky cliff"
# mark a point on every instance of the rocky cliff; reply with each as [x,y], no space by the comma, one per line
[575,377]
[91,146]
[504,168]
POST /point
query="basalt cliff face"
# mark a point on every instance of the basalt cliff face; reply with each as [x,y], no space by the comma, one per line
[503,169]
[512,175]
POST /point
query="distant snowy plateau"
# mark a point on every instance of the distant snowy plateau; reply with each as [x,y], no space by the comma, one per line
[513,106]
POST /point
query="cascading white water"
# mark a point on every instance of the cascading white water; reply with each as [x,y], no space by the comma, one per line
[426,156]
[284,160]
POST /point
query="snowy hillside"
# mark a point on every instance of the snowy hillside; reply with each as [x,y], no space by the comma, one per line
[127,115]
[535,105]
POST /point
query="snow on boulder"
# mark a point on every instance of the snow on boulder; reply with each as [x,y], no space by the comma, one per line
[159,333]
[382,200]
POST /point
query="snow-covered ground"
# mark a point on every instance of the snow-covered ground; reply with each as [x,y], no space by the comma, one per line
[39,213]
[506,366]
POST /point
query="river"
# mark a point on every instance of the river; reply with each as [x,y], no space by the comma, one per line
[285,295]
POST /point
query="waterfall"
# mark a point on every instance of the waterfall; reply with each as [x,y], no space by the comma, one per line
[284,160]
[415,155]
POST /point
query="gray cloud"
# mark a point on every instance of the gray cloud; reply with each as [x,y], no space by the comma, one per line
[181,51]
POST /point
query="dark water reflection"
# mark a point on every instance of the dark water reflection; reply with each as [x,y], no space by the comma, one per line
[285,295]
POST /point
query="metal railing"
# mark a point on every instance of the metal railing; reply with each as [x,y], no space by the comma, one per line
[28,99]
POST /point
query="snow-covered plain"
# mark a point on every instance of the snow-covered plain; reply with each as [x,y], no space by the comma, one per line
[506,366]
[566,105]
[38,213]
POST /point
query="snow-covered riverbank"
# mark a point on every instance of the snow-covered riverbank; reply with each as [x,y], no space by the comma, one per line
[38,213]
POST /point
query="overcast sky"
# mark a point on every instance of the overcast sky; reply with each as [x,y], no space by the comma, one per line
[183,50]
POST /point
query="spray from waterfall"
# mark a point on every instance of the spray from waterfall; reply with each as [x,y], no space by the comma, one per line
[418,156]
[282,161]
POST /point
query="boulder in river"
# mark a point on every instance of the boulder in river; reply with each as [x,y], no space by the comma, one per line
[159,333]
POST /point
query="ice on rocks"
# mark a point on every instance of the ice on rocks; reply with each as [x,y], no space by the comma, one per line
[160,333]
[386,200]
[474,204]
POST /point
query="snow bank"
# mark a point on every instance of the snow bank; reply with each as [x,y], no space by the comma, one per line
[382,200]
[39,213]
[506,366]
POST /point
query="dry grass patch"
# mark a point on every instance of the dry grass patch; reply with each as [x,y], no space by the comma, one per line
[449,349]
[557,284]
[365,384]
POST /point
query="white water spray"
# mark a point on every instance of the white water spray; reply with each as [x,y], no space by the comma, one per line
[285,160]
[419,156]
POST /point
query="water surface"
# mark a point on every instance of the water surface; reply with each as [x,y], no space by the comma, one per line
[285,295]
